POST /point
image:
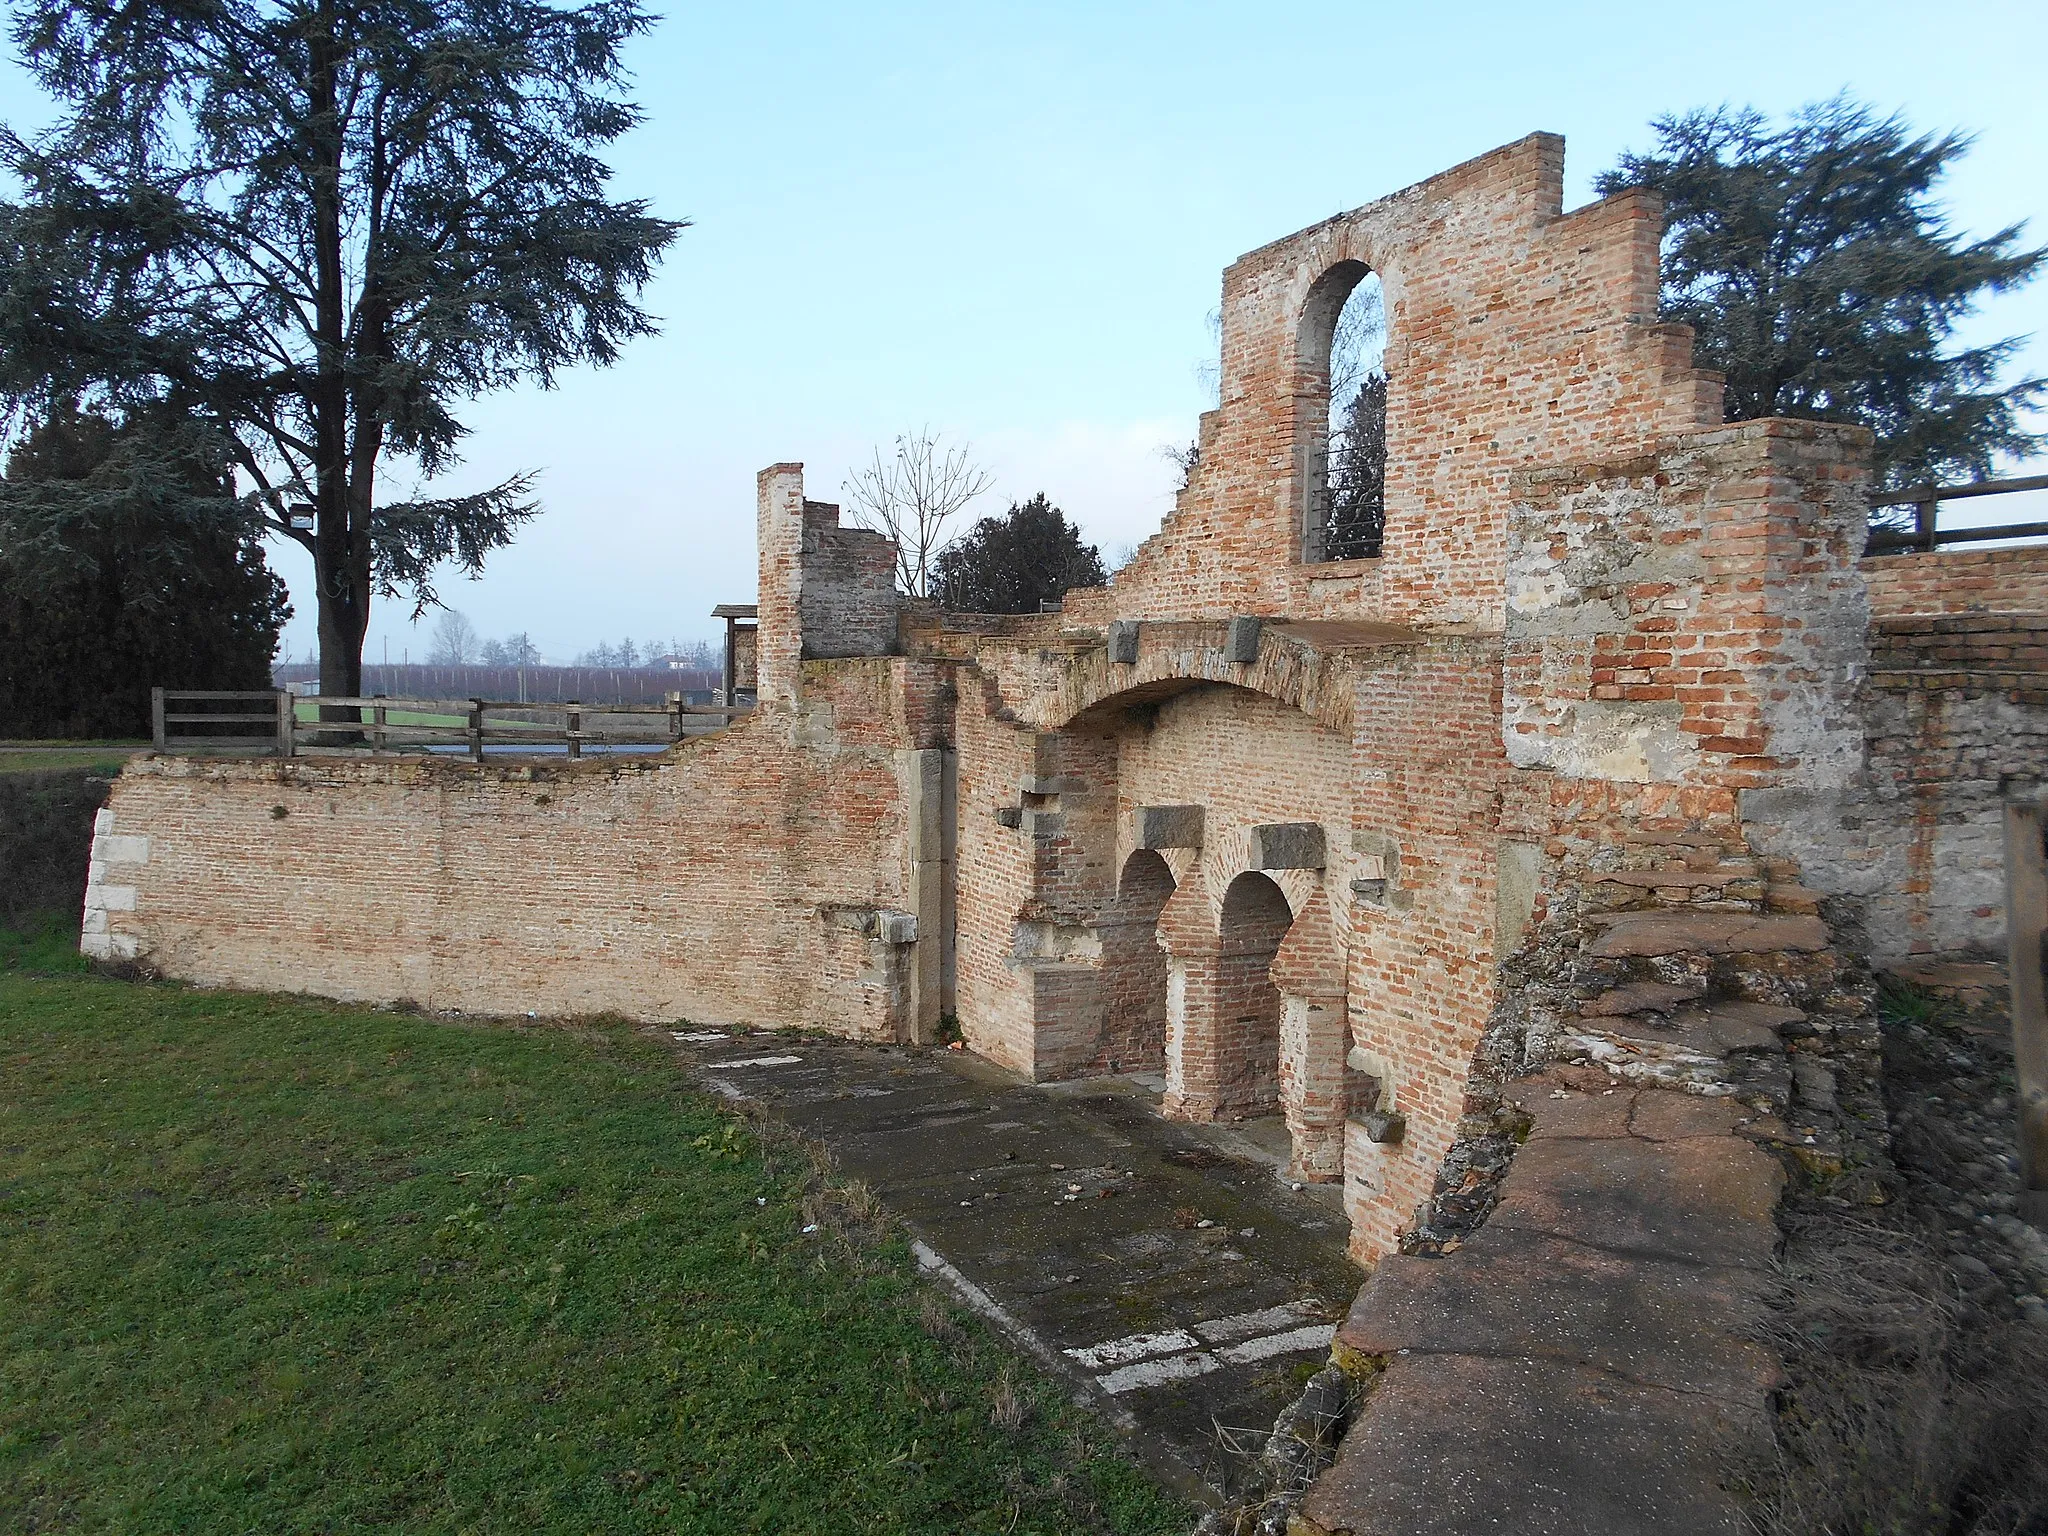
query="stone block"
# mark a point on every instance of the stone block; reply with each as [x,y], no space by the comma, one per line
[1241,645]
[1123,641]
[1507,1294]
[1542,1447]
[896,927]
[122,850]
[1288,845]
[1167,826]
[1707,933]
[1696,1200]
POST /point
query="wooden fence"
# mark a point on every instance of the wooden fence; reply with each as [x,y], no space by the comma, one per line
[274,723]
[1926,500]
[2026,954]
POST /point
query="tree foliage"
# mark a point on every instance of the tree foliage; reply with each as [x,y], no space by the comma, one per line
[1356,519]
[318,227]
[1820,276]
[1358,475]
[1014,563]
[126,562]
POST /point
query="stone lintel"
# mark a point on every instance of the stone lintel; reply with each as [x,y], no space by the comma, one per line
[1288,845]
[1167,826]
[1123,641]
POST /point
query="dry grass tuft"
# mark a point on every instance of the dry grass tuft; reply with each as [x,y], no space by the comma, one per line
[1900,1415]
[1008,1407]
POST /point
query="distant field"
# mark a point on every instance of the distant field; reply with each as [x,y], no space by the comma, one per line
[283,1266]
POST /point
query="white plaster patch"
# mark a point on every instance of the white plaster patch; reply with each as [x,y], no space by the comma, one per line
[1243,1325]
[1317,1336]
[1157,1373]
[1176,1354]
[1137,1346]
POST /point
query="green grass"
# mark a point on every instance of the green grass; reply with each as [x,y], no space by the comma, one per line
[41,944]
[94,760]
[269,1265]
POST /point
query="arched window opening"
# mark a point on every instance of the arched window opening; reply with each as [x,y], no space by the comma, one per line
[1134,968]
[1341,418]
[1256,918]
[1355,487]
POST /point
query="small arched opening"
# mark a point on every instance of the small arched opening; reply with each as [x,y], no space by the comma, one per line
[1134,967]
[1341,420]
[1255,920]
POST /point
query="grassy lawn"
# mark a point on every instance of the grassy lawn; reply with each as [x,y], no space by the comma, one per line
[274,1265]
[92,759]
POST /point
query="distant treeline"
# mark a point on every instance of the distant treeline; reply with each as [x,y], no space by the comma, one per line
[536,685]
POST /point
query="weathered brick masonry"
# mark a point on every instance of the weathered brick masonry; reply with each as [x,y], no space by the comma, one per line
[1296,833]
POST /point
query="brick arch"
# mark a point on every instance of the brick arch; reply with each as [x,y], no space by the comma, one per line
[1101,695]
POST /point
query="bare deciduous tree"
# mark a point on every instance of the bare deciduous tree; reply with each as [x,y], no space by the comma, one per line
[911,495]
[455,641]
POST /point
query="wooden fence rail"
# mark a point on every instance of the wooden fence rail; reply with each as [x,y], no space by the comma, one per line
[1926,500]
[274,722]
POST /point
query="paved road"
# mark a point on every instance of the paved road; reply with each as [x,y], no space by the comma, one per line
[1168,1270]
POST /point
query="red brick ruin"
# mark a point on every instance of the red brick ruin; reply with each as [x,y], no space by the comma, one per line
[1293,832]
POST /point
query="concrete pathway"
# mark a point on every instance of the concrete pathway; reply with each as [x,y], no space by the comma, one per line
[1167,1270]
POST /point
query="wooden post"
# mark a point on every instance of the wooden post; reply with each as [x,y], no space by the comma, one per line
[1924,513]
[675,717]
[575,731]
[476,730]
[379,719]
[731,660]
[156,717]
[287,717]
[2026,928]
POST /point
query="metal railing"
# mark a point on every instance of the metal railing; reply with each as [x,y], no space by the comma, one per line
[274,723]
[1926,500]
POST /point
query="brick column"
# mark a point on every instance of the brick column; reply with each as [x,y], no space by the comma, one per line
[1309,971]
[1187,932]
[779,502]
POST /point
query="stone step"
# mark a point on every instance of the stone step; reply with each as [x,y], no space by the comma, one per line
[1639,997]
[1652,879]
[1730,1049]
[1666,932]
[1790,896]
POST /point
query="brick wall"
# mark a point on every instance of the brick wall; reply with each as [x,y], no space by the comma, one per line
[1956,717]
[1517,334]
[1959,581]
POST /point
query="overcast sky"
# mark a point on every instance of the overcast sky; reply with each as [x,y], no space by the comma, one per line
[1009,223]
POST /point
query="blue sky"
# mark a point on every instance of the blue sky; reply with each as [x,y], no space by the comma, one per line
[1009,224]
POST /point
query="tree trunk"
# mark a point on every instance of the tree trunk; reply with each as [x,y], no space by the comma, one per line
[343,598]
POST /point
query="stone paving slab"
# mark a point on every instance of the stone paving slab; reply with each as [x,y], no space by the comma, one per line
[1071,1210]
[1462,1445]
[1525,1295]
[1581,1363]
[1697,1200]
